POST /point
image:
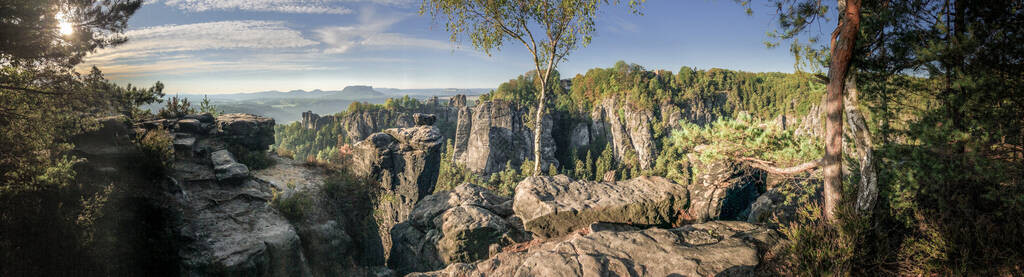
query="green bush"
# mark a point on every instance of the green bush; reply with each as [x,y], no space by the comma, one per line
[295,207]
[255,160]
[157,149]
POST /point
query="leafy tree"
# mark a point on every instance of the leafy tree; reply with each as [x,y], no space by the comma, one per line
[549,30]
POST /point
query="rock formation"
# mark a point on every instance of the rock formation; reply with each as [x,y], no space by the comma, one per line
[627,129]
[707,249]
[499,135]
[405,163]
[464,225]
[226,224]
[556,206]
[723,190]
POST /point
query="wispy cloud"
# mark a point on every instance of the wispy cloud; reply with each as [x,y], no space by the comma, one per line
[178,48]
[280,6]
[371,31]
[205,36]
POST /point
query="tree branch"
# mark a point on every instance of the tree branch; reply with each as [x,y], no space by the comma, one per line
[767,166]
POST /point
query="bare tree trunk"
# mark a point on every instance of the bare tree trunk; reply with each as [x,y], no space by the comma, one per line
[867,189]
[842,54]
[538,126]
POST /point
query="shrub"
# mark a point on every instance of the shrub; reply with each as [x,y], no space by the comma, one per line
[255,160]
[293,207]
[176,108]
[158,151]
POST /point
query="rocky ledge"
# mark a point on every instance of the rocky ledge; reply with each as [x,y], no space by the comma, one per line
[556,206]
[466,224]
[720,248]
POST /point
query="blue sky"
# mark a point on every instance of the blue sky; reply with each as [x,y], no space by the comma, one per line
[225,46]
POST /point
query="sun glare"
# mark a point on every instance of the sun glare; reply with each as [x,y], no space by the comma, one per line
[62,23]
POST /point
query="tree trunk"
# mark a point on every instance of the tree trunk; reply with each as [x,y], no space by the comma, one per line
[867,189]
[538,126]
[842,53]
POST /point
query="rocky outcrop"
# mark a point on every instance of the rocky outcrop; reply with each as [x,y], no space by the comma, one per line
[464,225]
[359,124]
[405,163]
[499,136]
[627,129]
[227,226]
[707,249]
[556,206]
[251,131]
[723,190]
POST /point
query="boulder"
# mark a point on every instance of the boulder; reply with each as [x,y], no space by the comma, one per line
[723,190]
[464,225]
[184,146]
[226,169]
[707,249]
[233,232]
[206,118]
[251,131]
[423,119]
[405,163]
[556,206]
[190,126]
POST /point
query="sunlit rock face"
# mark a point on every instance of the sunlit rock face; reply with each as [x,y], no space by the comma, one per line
[499,134]
[718,248]
[404,162]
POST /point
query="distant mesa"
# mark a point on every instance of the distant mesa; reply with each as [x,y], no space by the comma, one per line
[361,91]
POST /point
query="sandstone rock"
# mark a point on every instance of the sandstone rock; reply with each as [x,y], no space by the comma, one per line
[459,100]
[226,168]
[629,129]
[499,136]
[190,126]
[184,146]
[405,162]
[463,128]
[232,231]
[556,206]
[580,136]
[252,131]
[462,225]
[423,119]
[206,118]
[708,249]
[723,190]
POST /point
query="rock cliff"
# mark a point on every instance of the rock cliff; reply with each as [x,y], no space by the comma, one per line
[498,135]
[404,162]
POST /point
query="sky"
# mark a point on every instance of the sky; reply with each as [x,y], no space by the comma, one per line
[232,46]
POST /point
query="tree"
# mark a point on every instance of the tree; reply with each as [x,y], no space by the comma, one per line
[549,29]
[794,18]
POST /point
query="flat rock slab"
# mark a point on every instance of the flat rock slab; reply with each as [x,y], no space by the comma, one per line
[556,206]
[719,248]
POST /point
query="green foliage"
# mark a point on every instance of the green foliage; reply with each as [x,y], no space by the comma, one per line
[255,160]
[157,148]
[743,137]
[294,207]
[764,95]
[206,107]
[604,163]
[819,248]
[504,182]
[176,108]
[451,173]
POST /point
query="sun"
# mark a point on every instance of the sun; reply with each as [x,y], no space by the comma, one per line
[63,25]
